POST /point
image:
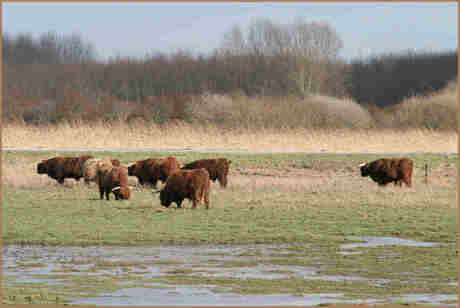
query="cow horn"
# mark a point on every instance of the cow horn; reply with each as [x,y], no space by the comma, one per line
[362,164]
[116,188]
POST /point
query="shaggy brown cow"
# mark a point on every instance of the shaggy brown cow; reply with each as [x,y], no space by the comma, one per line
[387,170]
[153,169]
[90,167]
[60,168]
[194,185]
[217,168]
[113,180]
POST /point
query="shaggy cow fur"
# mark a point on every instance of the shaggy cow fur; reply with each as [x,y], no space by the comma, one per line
[113,180]
[217,168]
[387,170]
[154,169]
[91,166]
[60,168]
[194,185]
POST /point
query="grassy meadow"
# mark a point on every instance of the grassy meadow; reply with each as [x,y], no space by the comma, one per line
[271,198]
[303,199]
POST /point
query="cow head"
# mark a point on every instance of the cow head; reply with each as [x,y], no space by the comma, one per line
[132,170]
[364,169]
[84,158]
[122,192]
[42,167]
[224,165]
[165,199]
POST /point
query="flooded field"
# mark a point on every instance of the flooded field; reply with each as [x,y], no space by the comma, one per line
[296,229]
[137,276]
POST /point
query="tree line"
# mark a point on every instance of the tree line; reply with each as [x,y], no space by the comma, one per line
[300,59]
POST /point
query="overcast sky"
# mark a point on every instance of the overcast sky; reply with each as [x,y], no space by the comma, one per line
[135,29]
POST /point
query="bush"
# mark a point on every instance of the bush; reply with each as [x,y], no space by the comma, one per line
[436,111]
[286,112]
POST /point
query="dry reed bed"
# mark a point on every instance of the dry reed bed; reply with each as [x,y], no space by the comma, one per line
[120,135]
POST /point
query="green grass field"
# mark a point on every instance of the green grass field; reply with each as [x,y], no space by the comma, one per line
[318,199]
[270,198]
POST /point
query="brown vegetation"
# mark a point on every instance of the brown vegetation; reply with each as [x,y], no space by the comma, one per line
[180,135]
[259,78]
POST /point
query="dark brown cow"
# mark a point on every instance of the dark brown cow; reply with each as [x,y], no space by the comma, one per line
[217,168]
[154,169]
[60,168]
[387,170]
[114,180]
[194,185]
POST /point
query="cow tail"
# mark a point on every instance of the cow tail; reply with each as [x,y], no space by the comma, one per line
[205,193]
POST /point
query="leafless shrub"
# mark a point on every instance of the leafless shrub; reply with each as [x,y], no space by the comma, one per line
[212,108]
[435,111]
[290,112]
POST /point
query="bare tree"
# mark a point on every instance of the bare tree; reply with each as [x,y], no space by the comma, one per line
[300,52]
[234,42]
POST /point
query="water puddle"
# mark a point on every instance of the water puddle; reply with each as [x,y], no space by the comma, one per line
[432,299]
[58,265]
[373,241]
[186,296]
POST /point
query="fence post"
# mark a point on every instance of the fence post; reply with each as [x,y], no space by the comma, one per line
[426,173]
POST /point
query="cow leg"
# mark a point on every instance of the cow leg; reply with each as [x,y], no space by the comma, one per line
[408,182]
[206,198]
[197,197]
[107,193]
[60,180]
[179,204]
[101,192]
[154,183]
[222,181]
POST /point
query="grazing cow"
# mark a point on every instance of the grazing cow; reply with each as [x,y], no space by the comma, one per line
[194,185]
[60,168]
[91,166]
[217,168]
[113,180]
[387,170]
[153,169]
